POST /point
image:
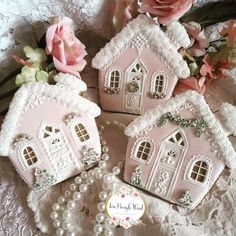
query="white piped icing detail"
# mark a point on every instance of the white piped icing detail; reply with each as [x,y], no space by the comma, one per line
[157,39]
[59,94]
[178,35]
[151,117]
[71,82]
[228,113]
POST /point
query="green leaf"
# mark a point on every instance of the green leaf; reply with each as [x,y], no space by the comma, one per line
[41,76]
[27,74]
[193,68]
[37,55]
[19,80]
[212,13]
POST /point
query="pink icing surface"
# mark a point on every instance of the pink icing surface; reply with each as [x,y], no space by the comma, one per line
[115,102]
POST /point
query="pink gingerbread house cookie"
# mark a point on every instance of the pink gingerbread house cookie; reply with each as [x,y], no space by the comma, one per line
[141,65]
[178,150]
[50,132]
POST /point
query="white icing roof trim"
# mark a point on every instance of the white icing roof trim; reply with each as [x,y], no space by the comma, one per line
[160,43]
[178,35]
[71,81]
[228,113]
[62,96]
[151,117]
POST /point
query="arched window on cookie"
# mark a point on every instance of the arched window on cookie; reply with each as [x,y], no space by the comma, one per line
[113,81]
[81,132]
[29,156]
[159,85]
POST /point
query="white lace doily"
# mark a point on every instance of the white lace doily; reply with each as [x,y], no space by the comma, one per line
[216,213]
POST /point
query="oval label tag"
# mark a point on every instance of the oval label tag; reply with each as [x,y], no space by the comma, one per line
[125,207]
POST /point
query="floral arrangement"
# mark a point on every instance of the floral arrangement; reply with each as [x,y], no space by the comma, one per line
[58,51]
[207,61]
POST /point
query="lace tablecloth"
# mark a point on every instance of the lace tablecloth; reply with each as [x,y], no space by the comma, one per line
[214,216]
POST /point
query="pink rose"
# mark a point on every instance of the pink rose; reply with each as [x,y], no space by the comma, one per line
[198,39]
[191,83]
[166,10]
[67,51]
[122,12]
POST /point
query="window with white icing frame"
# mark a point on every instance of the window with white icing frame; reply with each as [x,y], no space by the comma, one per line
[143,150]
[159,85]
[79,130]
[28,155]
[199,170]
[113,80]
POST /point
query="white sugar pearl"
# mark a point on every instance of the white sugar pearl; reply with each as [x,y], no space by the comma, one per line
[59,232]
[56,223]
[99,175]
[101,206]
[97,170]
[100,217]
[91,173]
[105,149]
[66,225]
[77,196]
[105,157]
[103,195]
[83,188]
[84,175]
[61,200]
[66,214]
[67,193]
[108,178]
[104,142]
[70,234]
[54,215]
[108,222]
[108,232]
[116,170]
[73,187]
[89,181]
[55,206]
[71,204]
[97,228]
[78,180]
[102,164]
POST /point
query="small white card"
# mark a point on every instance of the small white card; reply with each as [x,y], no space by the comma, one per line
[125,206]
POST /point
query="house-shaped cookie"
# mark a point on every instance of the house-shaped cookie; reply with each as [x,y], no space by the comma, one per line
[178,150]
[49,132]
[141,65]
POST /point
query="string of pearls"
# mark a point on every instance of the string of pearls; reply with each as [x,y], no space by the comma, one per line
[61,210]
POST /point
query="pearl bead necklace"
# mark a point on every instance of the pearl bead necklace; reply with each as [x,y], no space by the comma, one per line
[80,187]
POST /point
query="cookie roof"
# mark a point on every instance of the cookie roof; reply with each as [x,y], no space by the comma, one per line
[157,39]
[151,117]
[61,93]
